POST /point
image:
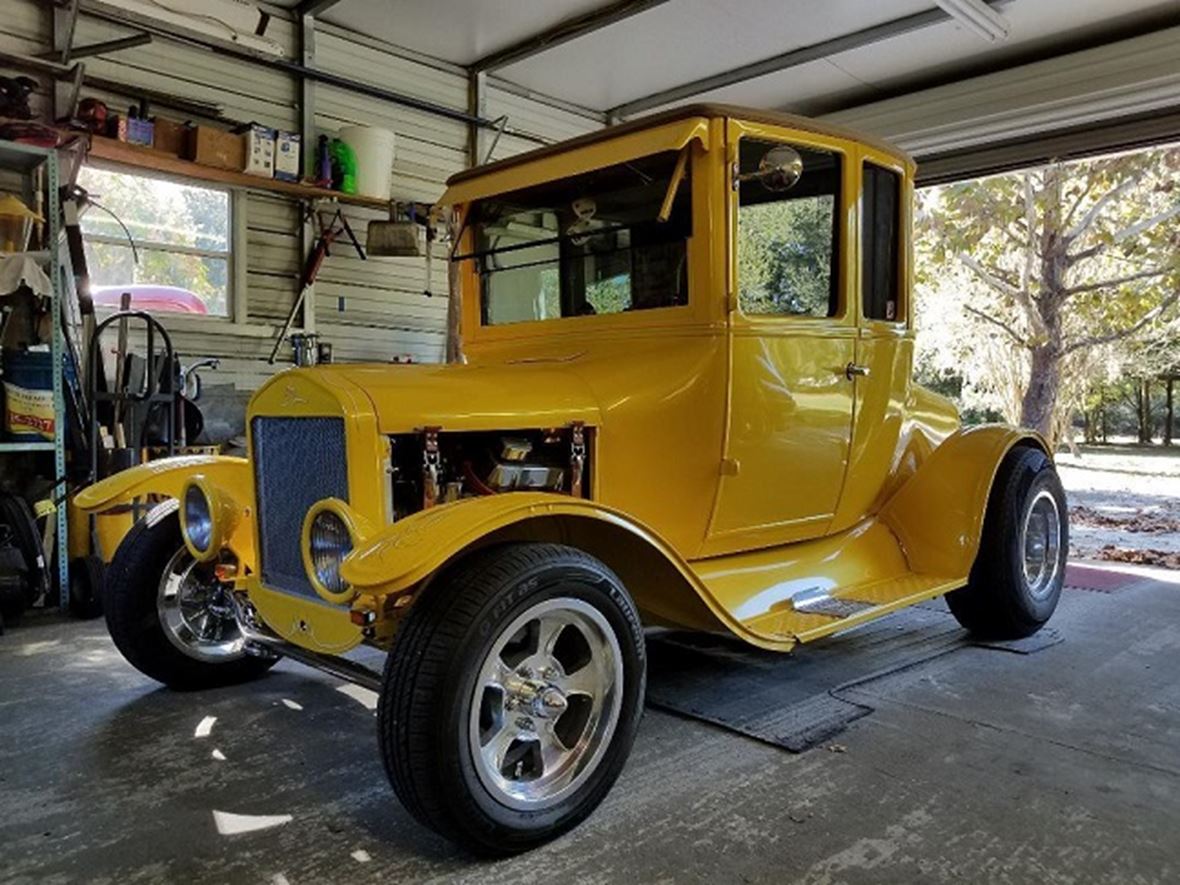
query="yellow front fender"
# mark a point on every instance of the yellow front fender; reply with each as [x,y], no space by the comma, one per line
[166,477]
[937,515]
[401,556]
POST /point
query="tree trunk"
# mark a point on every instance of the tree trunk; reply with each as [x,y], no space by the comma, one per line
[1168,412]
[1040,399]
[1144,410]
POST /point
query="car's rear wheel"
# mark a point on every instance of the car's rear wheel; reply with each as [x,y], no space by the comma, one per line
[1020,568]
[512,696]
[169,615]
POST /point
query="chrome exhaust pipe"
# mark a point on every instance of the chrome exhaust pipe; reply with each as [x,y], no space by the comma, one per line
[261,641]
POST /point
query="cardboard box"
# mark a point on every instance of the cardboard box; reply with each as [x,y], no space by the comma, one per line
[217,148]
[287,155]
[260,151]
[170,136]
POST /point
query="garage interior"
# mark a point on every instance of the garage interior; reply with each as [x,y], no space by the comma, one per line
[1055,760]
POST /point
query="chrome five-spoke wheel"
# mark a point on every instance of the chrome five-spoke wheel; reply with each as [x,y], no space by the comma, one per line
[196,611]
[512,695]
[546,703]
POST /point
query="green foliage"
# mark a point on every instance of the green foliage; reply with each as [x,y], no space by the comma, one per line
[1070,268]
[785,256]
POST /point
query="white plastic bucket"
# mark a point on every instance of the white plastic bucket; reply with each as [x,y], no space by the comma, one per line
[374,149]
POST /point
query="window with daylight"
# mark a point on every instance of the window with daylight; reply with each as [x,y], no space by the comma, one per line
[788,240]
[182,241]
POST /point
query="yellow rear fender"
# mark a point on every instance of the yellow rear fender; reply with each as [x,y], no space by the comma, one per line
[937,515]
[166,478]
[403,556]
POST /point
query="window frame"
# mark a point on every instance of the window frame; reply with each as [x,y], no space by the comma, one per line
[846,221]
[235,296]
[901,268]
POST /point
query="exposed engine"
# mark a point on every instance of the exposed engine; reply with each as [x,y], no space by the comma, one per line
[435,467]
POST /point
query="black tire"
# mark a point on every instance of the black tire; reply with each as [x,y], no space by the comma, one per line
[430,681]
[998,601]
[16,513]
[86,583]
[133,618]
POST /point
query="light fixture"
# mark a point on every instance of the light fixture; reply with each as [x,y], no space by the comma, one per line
[237,23]
[977,16]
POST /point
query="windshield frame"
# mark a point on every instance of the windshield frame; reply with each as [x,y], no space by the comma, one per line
[703,183]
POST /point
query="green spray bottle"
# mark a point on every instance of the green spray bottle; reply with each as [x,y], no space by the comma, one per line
[343,166]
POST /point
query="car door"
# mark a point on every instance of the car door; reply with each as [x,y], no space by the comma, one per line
[885,342]
[793,339]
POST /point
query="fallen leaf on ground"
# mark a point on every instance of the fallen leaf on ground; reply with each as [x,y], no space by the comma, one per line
[1162,558]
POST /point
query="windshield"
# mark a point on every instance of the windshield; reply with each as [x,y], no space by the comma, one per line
[589,244]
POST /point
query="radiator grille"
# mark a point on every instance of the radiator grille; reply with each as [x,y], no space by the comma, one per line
[297,462]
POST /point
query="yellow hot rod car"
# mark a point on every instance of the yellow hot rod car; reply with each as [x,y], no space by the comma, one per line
[685,400]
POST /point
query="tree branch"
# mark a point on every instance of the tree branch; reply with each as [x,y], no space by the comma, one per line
[1135,229]
[1108,337]
[1078,202]
[1099,204]
[1021,296]
[1032,252]
[1012,333]
[991,277]
[1116,281]
[1125,234]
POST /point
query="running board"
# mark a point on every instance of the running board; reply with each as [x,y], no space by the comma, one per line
[813,613]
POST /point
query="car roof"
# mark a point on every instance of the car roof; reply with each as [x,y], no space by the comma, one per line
[736,112]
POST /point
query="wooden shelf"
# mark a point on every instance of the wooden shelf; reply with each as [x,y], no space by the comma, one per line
[152,160]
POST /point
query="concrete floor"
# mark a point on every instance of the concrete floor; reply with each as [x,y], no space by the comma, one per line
[1062,766]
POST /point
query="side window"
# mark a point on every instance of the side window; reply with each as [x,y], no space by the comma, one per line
[880,243]
[788,233]
[182,235]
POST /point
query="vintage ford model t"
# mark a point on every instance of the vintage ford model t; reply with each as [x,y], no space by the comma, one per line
[685,400]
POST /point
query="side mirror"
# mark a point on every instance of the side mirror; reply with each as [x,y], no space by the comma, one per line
[780,169]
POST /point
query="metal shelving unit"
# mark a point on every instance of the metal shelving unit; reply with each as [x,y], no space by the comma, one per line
[26,161]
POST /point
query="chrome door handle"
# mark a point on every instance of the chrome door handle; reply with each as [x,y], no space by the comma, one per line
[852,370]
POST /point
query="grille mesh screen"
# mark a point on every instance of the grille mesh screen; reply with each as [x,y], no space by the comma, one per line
[297,462]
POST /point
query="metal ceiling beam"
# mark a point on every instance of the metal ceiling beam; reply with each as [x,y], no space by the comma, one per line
[563,32]
[791,59]
[106,46]
[314,7]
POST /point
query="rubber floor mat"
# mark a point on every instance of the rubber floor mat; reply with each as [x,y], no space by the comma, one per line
[1099,580]
[791,700]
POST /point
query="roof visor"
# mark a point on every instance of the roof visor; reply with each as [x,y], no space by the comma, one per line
[551,164]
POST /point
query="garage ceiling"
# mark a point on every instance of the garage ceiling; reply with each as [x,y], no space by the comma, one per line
[668,44]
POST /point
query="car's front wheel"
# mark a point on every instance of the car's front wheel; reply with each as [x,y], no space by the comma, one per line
[1020,568]
[169,615]
[512,696]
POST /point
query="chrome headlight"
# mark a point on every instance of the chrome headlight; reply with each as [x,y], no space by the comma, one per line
[329,541]
[197,517]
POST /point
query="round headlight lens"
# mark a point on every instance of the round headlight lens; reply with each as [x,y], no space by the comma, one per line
[198,518]
[330,541]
